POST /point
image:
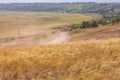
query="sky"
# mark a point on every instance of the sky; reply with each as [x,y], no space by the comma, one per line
[52,1]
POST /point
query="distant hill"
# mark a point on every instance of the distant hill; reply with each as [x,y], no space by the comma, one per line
[90,7]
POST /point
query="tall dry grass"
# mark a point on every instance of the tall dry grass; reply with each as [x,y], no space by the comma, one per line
[84,60]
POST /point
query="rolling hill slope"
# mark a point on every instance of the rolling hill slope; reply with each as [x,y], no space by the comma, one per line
[35,46]
[83,60]
[101,32]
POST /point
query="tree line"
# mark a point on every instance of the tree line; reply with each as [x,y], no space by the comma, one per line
[90,7]
[94,23]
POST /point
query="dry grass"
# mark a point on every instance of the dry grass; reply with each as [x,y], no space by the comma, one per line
[101,32]
[84,60]
[27,22]
[31,27]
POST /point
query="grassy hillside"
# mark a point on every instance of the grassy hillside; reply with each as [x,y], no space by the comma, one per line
[83,60]
[101,32]
[13,21]
[32,44]
[14,25]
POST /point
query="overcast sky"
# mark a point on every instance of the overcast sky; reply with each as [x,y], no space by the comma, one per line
[25,1]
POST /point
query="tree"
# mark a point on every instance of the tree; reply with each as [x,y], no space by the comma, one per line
[94,24]
[85,24]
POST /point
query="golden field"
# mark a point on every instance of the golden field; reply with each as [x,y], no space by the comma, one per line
[82,60]
[22,28]
[33,22]
[32,49]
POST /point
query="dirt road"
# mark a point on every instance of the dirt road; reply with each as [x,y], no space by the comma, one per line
[39,39]
[57,38]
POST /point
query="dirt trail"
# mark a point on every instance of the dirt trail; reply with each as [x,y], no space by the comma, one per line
[56,39]
[39,39]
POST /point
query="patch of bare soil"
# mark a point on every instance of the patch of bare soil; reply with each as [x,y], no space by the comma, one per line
[101,32]
[56,39]
[43,38]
